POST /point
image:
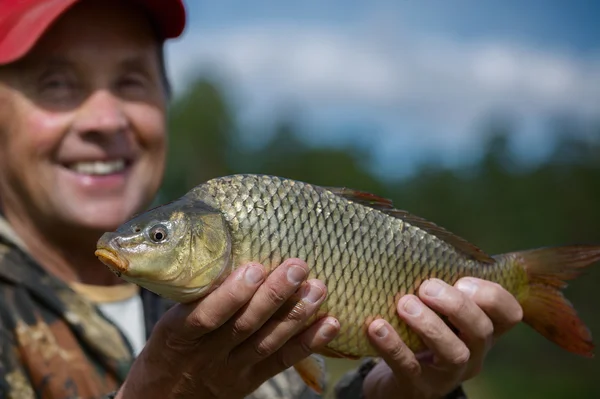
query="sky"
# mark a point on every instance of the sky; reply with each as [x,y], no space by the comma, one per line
[413,80]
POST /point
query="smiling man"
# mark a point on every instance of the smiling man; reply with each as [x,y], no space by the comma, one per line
[83,101]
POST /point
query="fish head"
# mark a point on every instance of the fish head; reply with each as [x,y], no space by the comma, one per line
[180,250]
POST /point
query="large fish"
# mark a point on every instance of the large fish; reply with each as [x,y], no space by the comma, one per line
[366,252]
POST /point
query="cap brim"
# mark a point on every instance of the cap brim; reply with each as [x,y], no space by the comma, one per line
[26,25]
[23,32]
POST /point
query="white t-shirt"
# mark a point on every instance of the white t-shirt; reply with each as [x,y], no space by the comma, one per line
[128,315]
[121,304]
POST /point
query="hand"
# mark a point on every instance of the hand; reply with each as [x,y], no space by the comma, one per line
[234,339]
[480,310]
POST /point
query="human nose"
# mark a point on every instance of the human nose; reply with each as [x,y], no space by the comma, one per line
[101,113]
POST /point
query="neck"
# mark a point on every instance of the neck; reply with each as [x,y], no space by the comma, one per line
[70,257]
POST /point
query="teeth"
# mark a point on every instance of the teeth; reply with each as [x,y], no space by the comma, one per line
[98,167]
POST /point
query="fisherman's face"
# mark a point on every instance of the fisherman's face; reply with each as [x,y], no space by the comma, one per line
[82,121]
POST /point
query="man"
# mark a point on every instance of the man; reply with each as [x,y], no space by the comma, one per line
[83,100]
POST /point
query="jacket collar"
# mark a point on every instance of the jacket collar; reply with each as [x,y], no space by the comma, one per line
[9,234]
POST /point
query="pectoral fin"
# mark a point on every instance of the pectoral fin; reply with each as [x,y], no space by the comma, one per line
[312,372]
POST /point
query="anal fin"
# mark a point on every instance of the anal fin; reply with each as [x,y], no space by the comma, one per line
[312,372]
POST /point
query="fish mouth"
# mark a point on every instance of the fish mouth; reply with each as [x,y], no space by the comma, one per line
[114,262]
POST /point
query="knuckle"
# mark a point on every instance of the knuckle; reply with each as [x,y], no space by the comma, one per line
[431,330]
[409,364]
[203,320]
[176,343]
[262,348]
[460,303]
[397,351]
[242,328]
[482,329]
[461,358]
[274,295]
[305,347]
[413,368]
[233,296]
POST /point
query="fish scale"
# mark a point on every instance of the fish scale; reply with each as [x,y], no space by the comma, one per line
[365,257]
[368,254]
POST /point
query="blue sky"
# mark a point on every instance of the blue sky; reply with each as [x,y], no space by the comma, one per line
[415,80]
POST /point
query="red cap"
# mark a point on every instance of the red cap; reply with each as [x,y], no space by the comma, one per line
[22,22]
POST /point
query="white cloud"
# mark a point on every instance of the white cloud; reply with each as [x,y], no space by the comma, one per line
[439,88]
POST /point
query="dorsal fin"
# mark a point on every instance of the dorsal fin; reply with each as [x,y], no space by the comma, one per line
[443,234]
[386,206]
[362,197]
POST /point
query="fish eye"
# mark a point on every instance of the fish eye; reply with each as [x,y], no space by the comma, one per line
[158,233]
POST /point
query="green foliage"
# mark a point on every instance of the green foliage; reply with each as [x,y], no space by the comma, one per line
[499,205]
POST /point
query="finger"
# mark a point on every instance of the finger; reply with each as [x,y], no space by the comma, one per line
[393,350]
[181,329]
[475,326]
[316,337]
[500,305]
[449,350]
[278,330]
[189,322]
[281,284]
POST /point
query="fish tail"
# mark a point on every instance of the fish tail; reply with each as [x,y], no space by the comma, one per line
[545,309]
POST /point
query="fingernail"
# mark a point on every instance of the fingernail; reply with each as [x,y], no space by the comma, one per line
[380,329]
[254,275]
[412,307]
[312,293]
[296,274]
[433,288]
[329,329]
[467,286]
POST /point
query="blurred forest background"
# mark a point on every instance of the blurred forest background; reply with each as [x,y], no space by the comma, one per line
[499,203]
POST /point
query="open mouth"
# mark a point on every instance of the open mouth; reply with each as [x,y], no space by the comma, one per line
[114,262]
[99,168]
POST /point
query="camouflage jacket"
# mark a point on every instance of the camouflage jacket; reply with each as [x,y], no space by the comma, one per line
[55,343]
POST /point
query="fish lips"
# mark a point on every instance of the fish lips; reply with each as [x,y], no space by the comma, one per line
[115,263]
[110,257]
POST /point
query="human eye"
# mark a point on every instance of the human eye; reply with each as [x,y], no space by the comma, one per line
[57,86]
[133,84]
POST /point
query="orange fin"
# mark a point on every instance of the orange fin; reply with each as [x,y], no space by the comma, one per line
[545,308]
[385,205]
[312,372]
